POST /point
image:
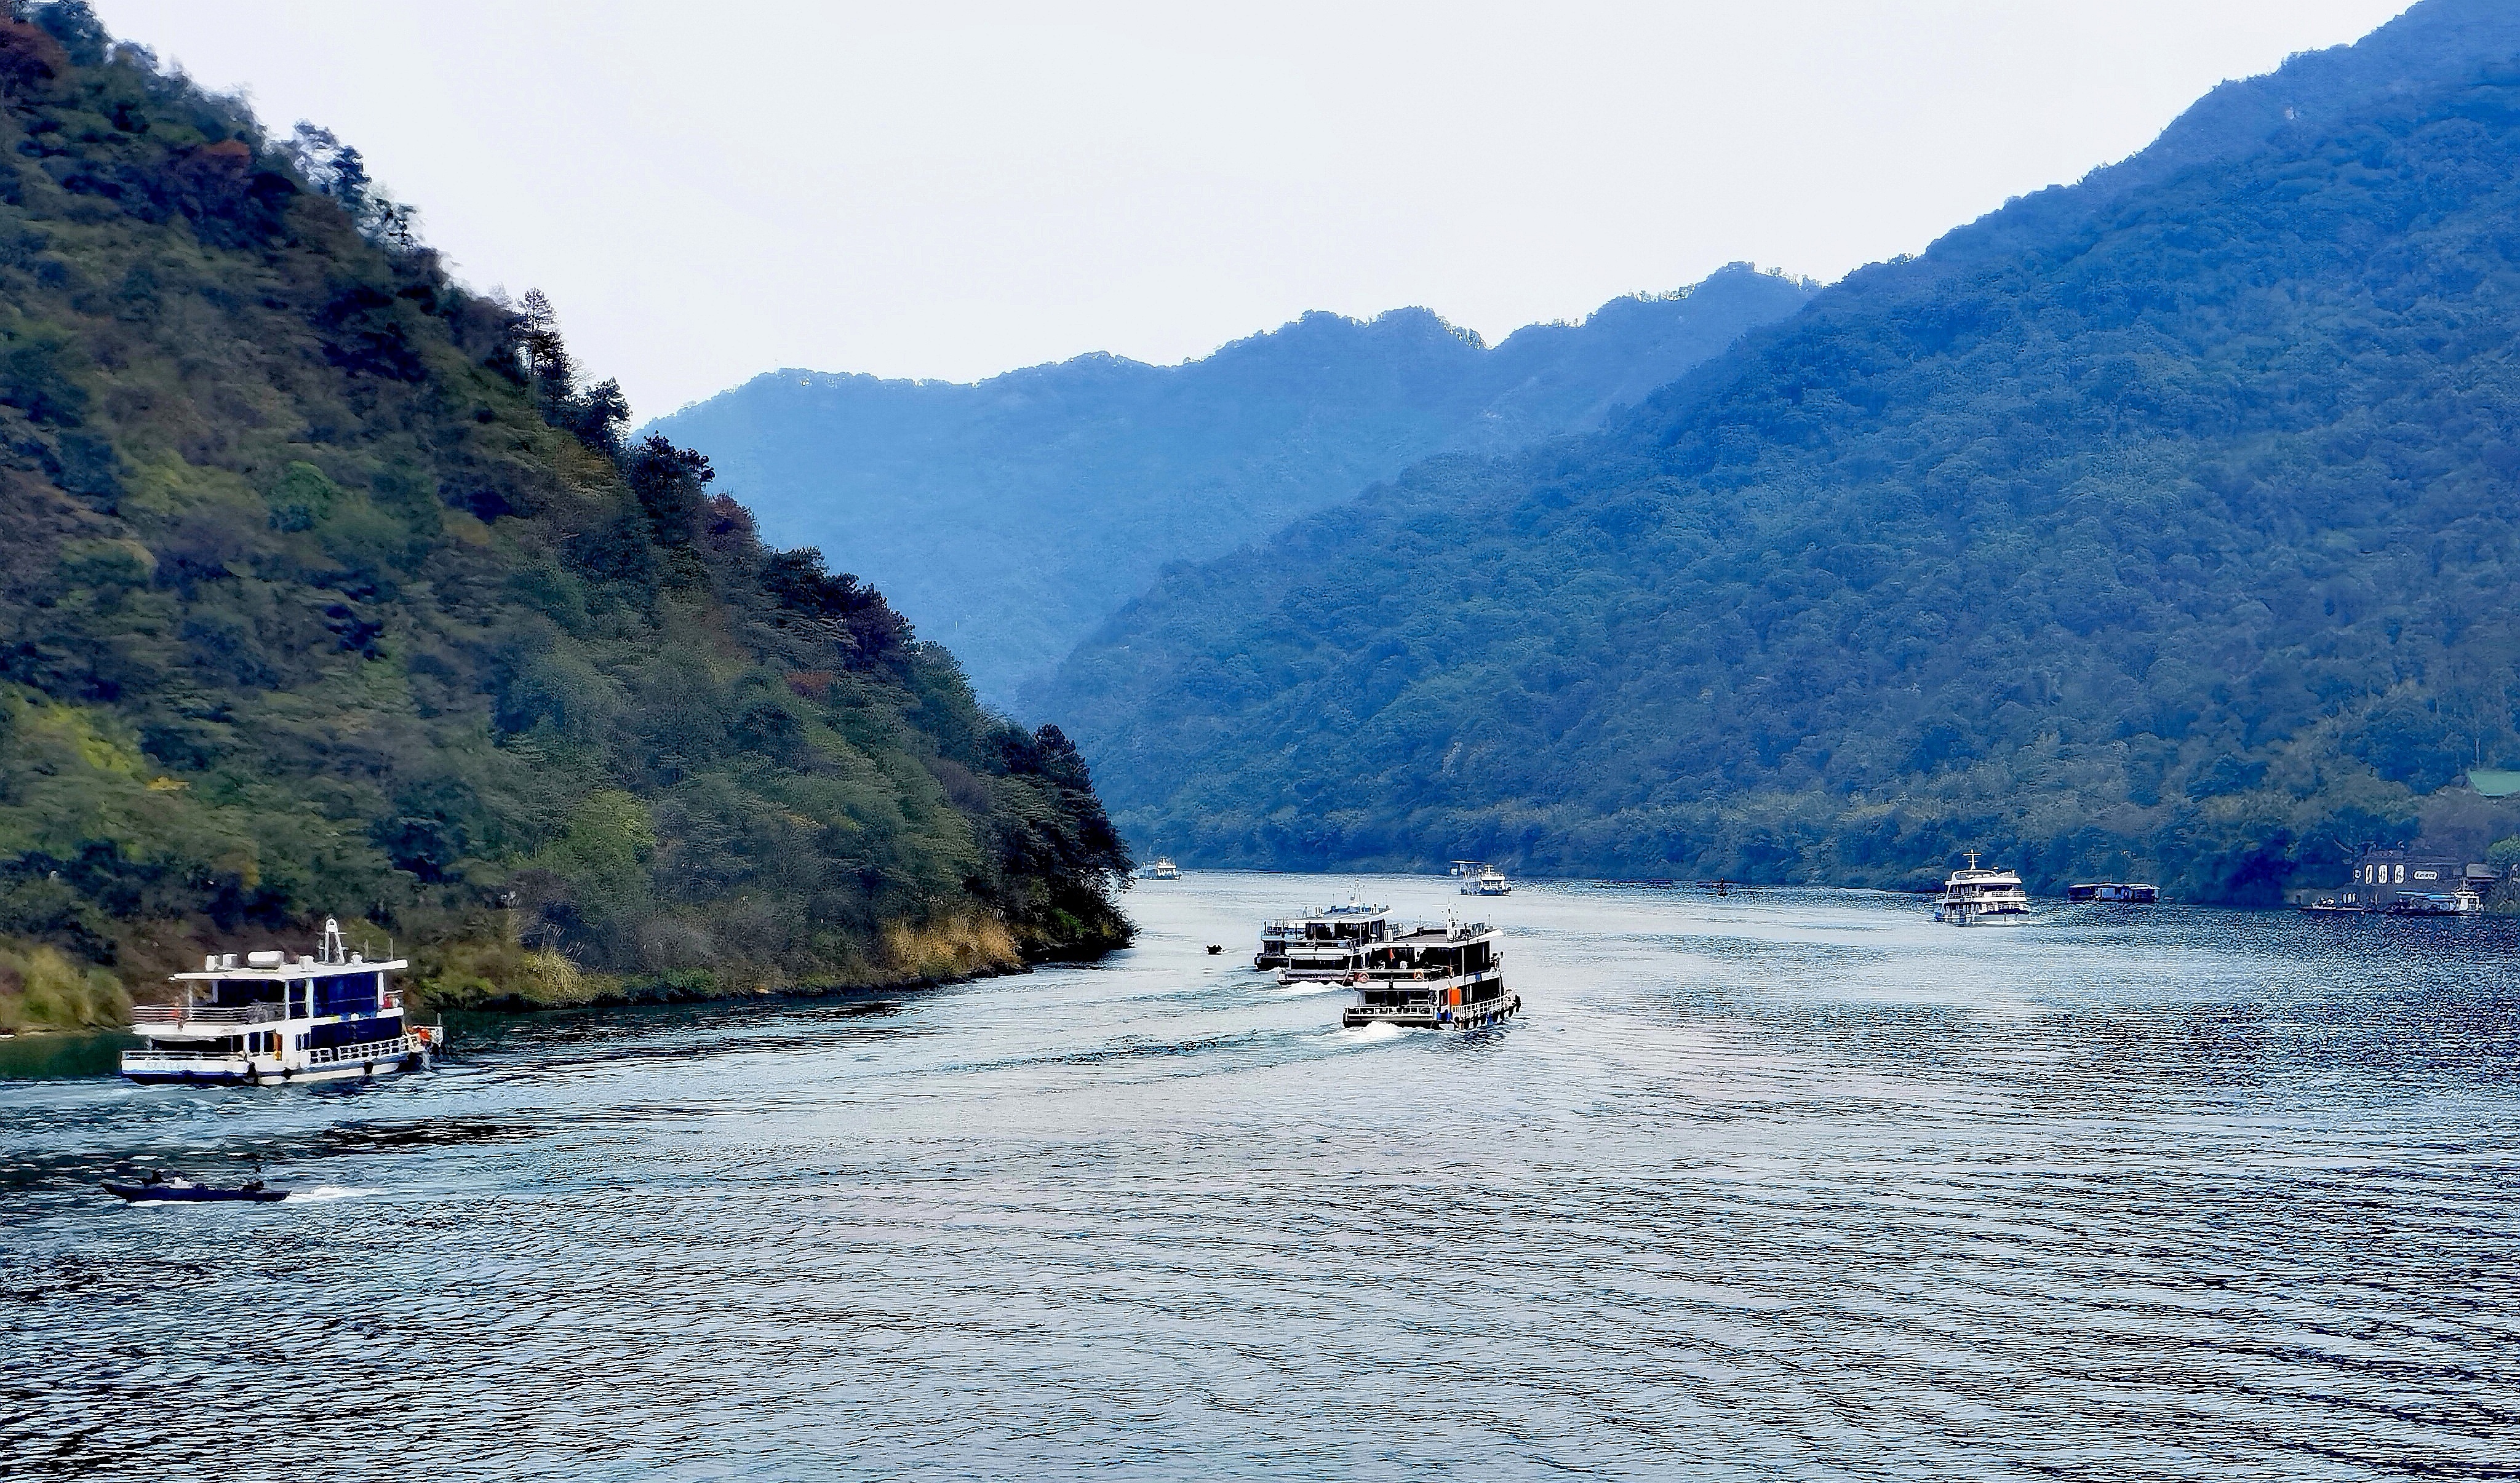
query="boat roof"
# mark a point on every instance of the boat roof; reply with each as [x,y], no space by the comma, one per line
[304,968]
[1323,914]
[1444,931]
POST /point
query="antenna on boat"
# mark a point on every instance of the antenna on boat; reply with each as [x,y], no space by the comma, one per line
[333,950]
[1972,857]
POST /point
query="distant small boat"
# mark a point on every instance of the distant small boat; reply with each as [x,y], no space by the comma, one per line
[2114,894]
[1482,880]
[2435,904]
[1215,948]
[1163,868]
[155,1187]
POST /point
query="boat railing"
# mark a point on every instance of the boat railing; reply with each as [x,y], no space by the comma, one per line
[1423,1008]
[236,1014]
[324,1056]
[209,1014]
[176,1060]
[365,1051]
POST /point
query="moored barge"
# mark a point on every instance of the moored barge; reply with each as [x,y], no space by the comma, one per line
[2113,893]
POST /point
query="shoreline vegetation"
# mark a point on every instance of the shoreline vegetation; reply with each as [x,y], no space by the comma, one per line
[334,588]
[67,1000]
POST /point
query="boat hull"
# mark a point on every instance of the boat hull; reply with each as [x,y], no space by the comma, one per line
[189,1194]
[1495,1012]
[1982,919]
[240,1071]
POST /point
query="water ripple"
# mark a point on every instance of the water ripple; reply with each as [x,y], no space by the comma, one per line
[1793,1186]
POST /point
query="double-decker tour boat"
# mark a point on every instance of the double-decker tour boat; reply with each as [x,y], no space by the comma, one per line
[1450,976]
[1333,934]
[1973,897]
[1163,868]
[329,1016]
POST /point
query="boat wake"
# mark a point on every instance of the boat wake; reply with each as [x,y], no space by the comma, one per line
[1307,990]
[1368,1034]
[325,1192]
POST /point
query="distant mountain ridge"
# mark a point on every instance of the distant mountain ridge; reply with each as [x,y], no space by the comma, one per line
[2163,522]
[1007,517]
[2431,45]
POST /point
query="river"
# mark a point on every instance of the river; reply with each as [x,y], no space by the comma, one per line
[1781,1184]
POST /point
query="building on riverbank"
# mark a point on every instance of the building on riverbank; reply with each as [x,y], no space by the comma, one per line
[2385,875]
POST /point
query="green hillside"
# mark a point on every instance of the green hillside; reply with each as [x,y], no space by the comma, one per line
[330,588]
[1009,517]
[2163,523]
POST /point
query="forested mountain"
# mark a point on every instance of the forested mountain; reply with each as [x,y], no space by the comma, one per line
[330,588]
[1007,518]
[2162,522]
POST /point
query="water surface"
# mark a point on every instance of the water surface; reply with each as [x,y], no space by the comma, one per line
[1786,1185]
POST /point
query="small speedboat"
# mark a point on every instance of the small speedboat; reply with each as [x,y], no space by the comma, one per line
[1215,948]
[156,1187]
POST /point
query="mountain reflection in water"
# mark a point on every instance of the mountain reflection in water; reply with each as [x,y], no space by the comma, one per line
[1791,1184]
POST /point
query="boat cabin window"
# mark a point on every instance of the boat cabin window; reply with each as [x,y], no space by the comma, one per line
[357,1032]
[345,994]
[245,991]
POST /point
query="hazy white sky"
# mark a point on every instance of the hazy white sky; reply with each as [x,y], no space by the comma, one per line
[711,190]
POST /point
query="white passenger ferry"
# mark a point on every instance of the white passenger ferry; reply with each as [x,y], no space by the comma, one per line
[1972,897]
[1332,934]
[1449,976]
[1163,868]
[1480,878]
[329,1016]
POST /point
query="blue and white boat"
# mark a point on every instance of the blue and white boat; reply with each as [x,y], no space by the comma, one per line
[328,1015]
